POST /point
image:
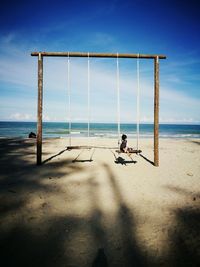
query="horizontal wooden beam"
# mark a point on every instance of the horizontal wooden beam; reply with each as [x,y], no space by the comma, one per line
[104,55]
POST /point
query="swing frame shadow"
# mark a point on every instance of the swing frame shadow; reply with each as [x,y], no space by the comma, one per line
[69,148]
[40,56]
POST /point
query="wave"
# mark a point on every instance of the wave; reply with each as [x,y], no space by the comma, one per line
[101,130]
[75,132]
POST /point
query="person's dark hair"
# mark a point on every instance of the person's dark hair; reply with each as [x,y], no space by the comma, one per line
[124,137]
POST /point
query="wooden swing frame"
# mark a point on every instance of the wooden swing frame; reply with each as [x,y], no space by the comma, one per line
[40,56]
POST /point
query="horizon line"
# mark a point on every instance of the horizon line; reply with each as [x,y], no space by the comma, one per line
[141,123]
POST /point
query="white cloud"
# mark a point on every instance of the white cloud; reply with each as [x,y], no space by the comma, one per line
[101,39]
[22,72]
[22,117]
[187,120]
[7,39]
[47,118]
[173,96]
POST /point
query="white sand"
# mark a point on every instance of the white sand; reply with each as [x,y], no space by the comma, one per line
[61,213]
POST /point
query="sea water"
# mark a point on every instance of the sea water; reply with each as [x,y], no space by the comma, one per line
[106,130]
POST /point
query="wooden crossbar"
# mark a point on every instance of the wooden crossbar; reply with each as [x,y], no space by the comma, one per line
[104,55]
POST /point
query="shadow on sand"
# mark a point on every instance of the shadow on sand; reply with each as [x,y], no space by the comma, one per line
[48,238]
[145,158]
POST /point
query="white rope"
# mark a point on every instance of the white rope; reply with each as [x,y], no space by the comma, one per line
[118,101]
[69,97]
[138,101]
[88,94]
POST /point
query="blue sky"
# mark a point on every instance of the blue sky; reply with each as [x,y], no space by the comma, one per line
[141,26]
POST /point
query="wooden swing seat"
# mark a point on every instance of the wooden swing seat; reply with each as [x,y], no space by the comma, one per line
[129,152]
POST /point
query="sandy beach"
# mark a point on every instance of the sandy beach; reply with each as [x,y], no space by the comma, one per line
[95,207]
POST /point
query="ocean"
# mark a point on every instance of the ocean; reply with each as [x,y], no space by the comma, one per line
[108,130]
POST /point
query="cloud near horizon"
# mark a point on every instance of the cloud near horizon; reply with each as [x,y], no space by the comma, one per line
[19,76]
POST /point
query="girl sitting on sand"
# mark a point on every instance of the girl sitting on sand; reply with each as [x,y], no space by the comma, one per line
[123,145]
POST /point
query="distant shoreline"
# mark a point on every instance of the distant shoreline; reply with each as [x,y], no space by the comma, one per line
[122,123]
[98,130]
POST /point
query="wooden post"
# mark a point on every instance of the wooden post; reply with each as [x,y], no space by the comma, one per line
[156,111]
[39,114]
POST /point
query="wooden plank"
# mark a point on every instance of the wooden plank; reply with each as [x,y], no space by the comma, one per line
[104,55]
[39,114]
[129,152]
[156,111]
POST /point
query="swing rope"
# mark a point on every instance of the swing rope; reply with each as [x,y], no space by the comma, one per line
[138,100]
[69,97]
[118,99]
[88,94]
[118,102]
